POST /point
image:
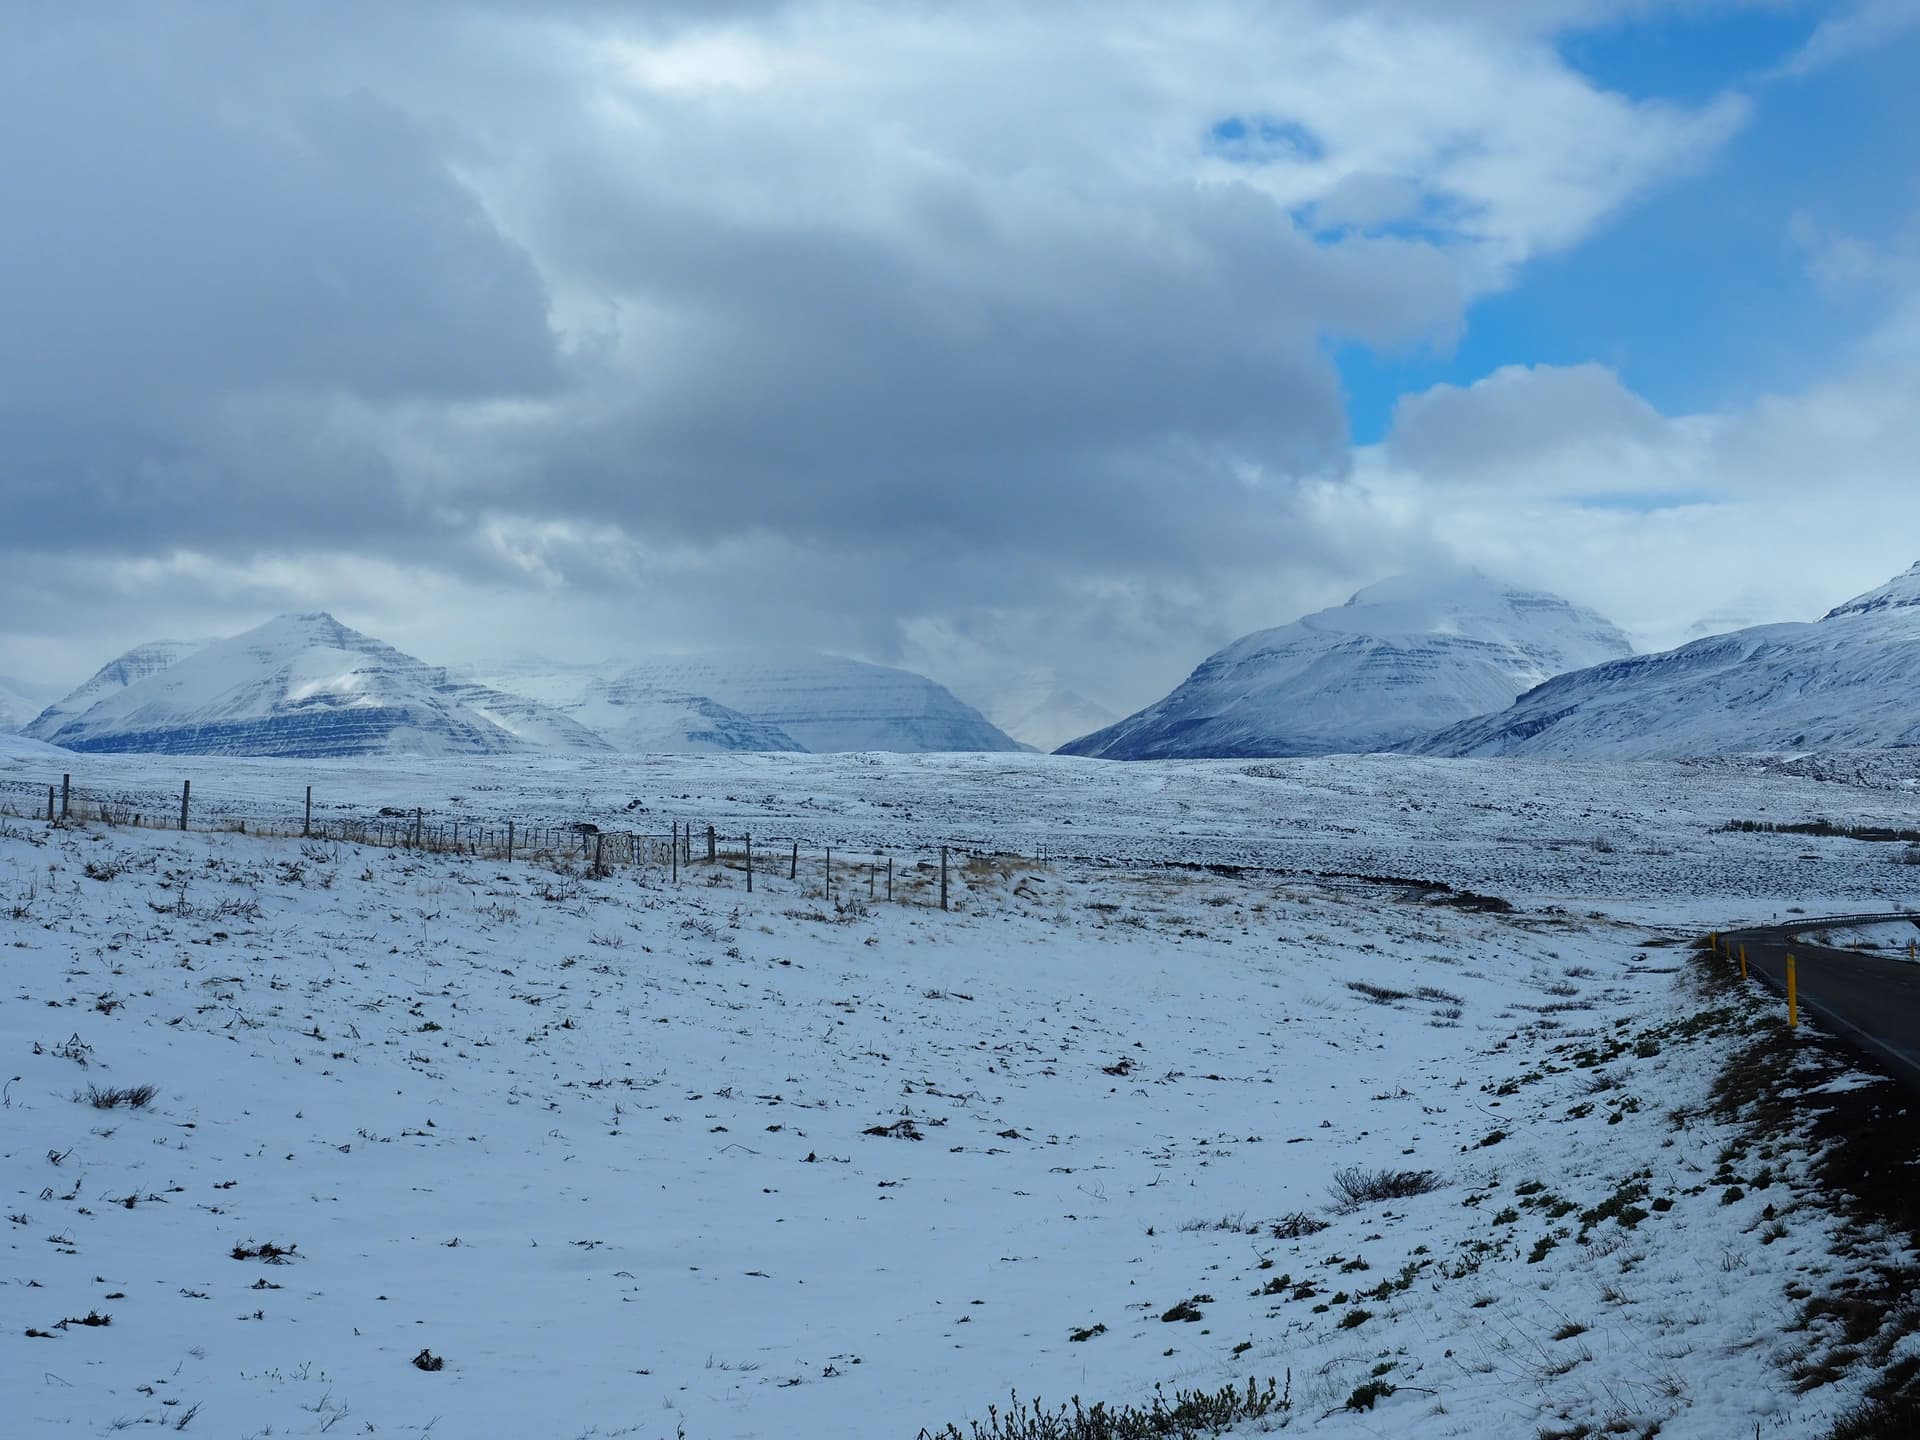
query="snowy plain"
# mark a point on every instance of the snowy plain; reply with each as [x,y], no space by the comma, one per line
[607,1145]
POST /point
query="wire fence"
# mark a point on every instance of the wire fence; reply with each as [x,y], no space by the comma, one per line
[922,875]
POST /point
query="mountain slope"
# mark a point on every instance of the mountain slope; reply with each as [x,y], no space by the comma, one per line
[827,703]
[641,718]
[300,685]
[1399,660]
[111,678]
[19,703]
[1847,681]
[634,715]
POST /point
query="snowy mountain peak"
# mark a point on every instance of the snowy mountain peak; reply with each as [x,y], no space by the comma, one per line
[315,627]
[299,685]
[1401,659]
[1900,593]
[1847,681]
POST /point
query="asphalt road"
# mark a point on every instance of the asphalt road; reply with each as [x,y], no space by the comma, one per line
[1869,1001]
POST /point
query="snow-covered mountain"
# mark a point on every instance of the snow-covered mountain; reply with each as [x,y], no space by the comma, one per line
[632,714]
[1400,660]
[1038,709]
[111,678]
[827,703]
[300,685]
[638,717]
[19,703]
[1850,680]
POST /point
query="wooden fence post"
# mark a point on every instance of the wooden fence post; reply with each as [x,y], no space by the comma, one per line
[49,804]
[749,864]
[793,864]
[306,826]
[943,877]
[419,826]
[673,850]
[873,872]
[712,855]
[599,840]
[186,793]
[509,841]
[829,872]
[66,796]
[889,879]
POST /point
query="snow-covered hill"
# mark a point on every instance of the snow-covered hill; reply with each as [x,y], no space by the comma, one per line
[1850,680]
[300,685]
[15,746]
[639,718]
[827,703]
[1399,660]
[634,715]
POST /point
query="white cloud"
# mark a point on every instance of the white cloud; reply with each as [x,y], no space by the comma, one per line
[1788,504]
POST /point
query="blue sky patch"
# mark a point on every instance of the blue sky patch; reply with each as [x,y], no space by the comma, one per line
[1698,294]
[1263,140]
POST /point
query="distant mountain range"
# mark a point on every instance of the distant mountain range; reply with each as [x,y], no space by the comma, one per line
[1398,661]
[306,685]
[1455,666]
[1850,680]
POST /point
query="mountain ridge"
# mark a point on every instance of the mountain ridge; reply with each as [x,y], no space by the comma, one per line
[300,685]
[1843,682]
[1399,660]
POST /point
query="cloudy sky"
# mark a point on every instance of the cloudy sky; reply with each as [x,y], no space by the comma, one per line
[983,337]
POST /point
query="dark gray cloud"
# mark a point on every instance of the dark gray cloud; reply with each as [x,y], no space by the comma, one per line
[929,313]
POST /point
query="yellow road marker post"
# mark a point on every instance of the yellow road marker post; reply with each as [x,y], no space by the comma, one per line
[1793,995]
[1743,962]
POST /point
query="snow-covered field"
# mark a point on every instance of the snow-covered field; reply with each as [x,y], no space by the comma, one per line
[640,1159]
[1632,838]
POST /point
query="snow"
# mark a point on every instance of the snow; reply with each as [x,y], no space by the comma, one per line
[1896,939]
[722,702]
[116,675]
[634,715]
[1846,681]
[826,703]
[1397,661]
[20,747]
[602,1144]
[298,685]
[1637,835]
[19,703]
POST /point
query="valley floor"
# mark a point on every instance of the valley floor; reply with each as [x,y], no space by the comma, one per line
[645,1159]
